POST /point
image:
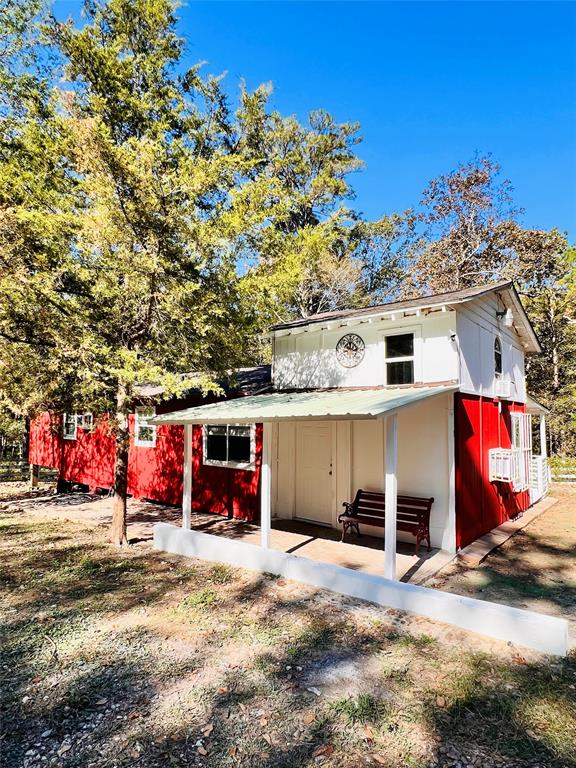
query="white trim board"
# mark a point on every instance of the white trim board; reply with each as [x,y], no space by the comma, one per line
[548,634]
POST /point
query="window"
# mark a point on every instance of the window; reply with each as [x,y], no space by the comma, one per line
[230,445]
[399,354]
[74,420]
[497,357]
[70,426]
[144,433]
[521,424]
[85,421]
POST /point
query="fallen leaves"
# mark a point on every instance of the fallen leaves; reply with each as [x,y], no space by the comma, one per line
[324,750]
[440,701]
[309,718]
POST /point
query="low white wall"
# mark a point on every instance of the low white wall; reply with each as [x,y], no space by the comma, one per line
[533,630]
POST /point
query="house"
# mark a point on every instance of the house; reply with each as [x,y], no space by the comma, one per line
[438,381]
[425,397]
[82,449]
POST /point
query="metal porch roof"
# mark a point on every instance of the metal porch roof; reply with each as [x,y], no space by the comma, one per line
[302,406]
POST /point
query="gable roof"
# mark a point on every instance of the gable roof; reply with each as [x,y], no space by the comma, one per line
[450,298]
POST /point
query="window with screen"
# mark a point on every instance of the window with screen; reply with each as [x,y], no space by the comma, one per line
[144,433]
[399,352]
[72,421]
[230,445]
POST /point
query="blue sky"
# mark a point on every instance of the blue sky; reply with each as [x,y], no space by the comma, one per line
[430,83]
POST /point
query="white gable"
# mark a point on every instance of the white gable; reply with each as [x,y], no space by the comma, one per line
[308,359]
[451,343]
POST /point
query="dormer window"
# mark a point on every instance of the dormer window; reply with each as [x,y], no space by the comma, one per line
[399,354]
[497,357]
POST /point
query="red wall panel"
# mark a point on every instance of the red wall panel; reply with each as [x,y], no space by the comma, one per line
[226,491]
[482,424]
[154,473]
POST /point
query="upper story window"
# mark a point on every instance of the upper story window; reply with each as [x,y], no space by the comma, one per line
[497,356]
[74,420]
[399,355]
[144,433]
[229,445]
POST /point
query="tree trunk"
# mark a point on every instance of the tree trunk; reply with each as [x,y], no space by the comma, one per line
[118,534]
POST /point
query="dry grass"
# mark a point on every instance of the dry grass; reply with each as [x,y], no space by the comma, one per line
[135,658]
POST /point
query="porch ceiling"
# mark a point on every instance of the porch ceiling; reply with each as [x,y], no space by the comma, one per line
[302,406]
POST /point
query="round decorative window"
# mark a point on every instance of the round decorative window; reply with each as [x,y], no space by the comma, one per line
[350,350]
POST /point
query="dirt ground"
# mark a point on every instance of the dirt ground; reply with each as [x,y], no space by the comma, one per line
[535,569]
[114,658]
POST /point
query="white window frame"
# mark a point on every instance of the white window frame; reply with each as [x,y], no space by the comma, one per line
[498,375]
[521,438]
[415,358]
[141,422]
[249,465]
[80,420]
[70,418]
[85,421]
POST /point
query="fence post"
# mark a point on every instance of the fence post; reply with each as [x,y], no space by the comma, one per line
[34,475]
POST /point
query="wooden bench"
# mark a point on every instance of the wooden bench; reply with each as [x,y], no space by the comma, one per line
[368,507]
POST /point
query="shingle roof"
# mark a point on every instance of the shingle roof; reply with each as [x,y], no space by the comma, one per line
[450,297]
[244,381]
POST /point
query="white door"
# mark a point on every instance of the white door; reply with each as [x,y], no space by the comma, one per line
[314,471]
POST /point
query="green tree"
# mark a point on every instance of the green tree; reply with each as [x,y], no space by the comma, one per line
[119,216]
[551,304]
[146,230]
[314,253]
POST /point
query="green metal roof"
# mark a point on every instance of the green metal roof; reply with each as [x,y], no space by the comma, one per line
[302,406]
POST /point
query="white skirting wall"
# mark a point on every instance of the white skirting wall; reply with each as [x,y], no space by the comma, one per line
[533,630]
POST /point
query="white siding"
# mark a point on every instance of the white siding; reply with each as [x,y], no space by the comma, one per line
[308,359]
[477,328]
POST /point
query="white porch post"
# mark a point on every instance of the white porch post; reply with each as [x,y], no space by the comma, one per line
[266,486]
[391,490]
[543,446]
[187,483]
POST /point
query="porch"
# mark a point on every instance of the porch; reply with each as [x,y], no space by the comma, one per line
[281,551]
[322,544]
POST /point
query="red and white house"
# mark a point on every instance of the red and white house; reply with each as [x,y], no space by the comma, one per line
[445,372]
[425,397]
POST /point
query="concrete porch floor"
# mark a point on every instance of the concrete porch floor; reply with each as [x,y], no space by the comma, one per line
[323,544]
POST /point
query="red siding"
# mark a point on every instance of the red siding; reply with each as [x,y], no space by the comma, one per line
[481,424]
[153,472]
[230,492]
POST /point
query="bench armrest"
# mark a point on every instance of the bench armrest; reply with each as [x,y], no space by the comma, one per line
[348,510]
